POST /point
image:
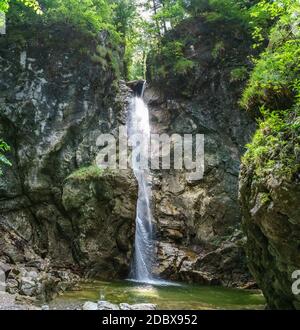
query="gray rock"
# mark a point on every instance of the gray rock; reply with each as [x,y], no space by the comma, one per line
[12,286]
[105,305]
[60,110]
[270,206]
[125,306]
[45,307]
[28,287]
[90,306]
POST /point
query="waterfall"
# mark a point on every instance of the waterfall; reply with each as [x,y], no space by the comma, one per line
[139,135]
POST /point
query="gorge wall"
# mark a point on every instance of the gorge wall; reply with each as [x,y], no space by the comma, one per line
[59,91]
[198,223]
[57,95]
[270,173]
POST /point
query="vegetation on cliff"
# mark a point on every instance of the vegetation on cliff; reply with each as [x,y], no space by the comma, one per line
[269,178]
[272,94]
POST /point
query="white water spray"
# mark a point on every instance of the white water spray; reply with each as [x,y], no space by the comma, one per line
[139,135]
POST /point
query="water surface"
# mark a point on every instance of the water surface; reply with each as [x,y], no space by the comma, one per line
[166,297]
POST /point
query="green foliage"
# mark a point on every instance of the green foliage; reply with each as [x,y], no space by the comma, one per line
[4,5]
[89,15]
[275,148]
[33,4]
[117,17]
[214,10]
[170,13]
[274,90]
[127,22]
[239,74]
[173,59]
[3,160]
[274,81]
[263,15]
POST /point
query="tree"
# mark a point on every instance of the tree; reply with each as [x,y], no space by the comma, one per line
[125,17]
[4,5]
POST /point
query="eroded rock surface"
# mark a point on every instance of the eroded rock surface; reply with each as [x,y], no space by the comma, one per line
[55,100]
[272,224]
[199,221]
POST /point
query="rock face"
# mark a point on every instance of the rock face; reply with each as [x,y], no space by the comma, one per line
[56,99]
[272,224]
[24,272]
[198,222]
[101,204]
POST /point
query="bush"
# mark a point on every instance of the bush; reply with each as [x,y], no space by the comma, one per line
[275,81]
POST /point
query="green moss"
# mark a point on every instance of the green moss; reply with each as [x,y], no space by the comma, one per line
[238,74]
[265,198]
[87,173]
[275,145]
[218,49]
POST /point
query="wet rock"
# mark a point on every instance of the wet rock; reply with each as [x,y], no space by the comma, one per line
[5,268]
[105,305]
[11,302]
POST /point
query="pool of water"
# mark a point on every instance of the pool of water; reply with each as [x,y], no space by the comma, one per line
[172,297]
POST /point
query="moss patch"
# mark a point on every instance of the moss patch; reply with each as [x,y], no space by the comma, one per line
[275,147]
[87,173]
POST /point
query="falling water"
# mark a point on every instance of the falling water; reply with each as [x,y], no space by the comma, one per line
[139,134]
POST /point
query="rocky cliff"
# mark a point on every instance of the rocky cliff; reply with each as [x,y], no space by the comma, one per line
[198,223]
[59,91]
[270,173]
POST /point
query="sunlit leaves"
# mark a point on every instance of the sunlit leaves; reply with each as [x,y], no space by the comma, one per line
[33,4]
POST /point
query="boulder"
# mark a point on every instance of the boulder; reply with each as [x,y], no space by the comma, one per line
[90,306]
[124,306]
[105,305]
